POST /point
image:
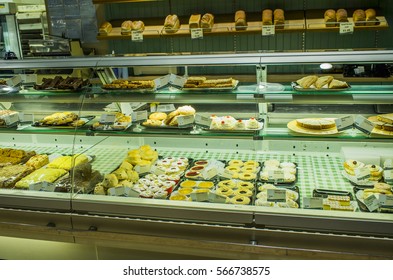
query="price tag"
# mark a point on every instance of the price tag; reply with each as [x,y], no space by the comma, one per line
[199,196]
[276,175]
[209,172]
[344,123]
[116,191]
[11,119]
[276,195]
[162,81]
[132,193]
[216,198]
[364,125]
[26,118]
[166,108]
[126,108]
[108,118]
[268,30]
[196,33]
[40,186]
[139,116]
[185,120]
[313,202]
[372,203]
[388,164]
[202,120]
[388,176]
[346,27]
[142,168]
[156,170]
[177,81]
[226,174]
[362,174]
[137,36]
[386,200]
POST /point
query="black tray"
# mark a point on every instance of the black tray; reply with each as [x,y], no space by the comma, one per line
[279,183]
[292,188]
[325,193]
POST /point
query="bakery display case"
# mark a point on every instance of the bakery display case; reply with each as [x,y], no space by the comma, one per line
[300,164]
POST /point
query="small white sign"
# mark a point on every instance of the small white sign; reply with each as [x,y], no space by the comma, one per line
[108,118]
[276,175]
[344,123]
[39,186]
[142,169]
[216,198]
[166,108]
[388,176]
[226,174]
[202,120]
[116,191]
[268,30]
[313,202]
[346,27]
[209,172]
[276,195]
[126,108]
[11,119]
[199,196]
[196,33]
[177,81]
[388,164]
[185,120]
[26,118]
[364,124]
[139,116]
[162,81]
[137,36]
[372,203]
[386,200]
[132,193]
[362,174]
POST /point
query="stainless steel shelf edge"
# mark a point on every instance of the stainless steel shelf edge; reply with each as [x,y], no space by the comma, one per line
[35,202]
[288,58]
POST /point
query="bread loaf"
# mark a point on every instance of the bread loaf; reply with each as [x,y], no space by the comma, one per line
[171,24]
[267,17]
[341,15]
[207,22]
[194,21]
[279,18]
[126,27]
[105,28]
[138,25]
[371,17]
[359,17]
[240,20]
[330,18]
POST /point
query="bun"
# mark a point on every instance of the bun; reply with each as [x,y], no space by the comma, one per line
[159,116]
[105,28]
[171,24]
[359,17]
[322,81]
[267,17]
[371,17]
[186,110]
[279,18]
[138,25]
[341,15]
[330,18]
[240,20]
[207,22]
[126,27]
[170,117]
[194,21]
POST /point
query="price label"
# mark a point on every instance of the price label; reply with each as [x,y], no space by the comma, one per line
[11,119]
[39,186]
[177,81]
[346,27]
[137,36]
[364,125]
[202,120]
[216,198]
[195,196]
[126,108]
[156,170]
[116,191]
[276,175]
[196,33]
[209,172]
[372,203]
[344,123]
[139,116]
[386,200]
[388,175]
[226,174]
[185,120]
[108,118]
[388,164]
[268,30]
[276,195]
[313,202]
[132,193]
[162,81]
[26,118]
[142,168]
[362,174]
[166,108]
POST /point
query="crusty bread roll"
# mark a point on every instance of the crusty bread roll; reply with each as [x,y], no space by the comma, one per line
[207,22]
[195,21]
[279,18]
[341,15]
[371,17]
[138,25]
[330,18]
[267,17]
[359,17]
[105,28]
[171,24]
[126,27]
[240,20]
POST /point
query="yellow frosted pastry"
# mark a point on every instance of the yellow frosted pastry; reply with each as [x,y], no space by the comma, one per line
[67,162]
[41,175]
[206,185]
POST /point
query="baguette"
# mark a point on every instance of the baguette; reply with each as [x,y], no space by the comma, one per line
[330,18]
[279,18]
[126,27]
[240,20]
[195,21]
[171,24]
[105,28]
[267,17]
[341,15]
[359,17]
[207,22]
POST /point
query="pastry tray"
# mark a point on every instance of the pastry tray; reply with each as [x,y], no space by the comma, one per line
[353,180]
[362,206]
[87,119]
[292,188]
[295,86]
[163,126]
[213,89]
[258,169]
[247,130]
[279,183]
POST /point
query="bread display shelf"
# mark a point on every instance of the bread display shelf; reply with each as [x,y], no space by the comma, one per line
[315,22]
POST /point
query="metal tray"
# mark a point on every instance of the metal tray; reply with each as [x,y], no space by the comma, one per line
[247,130]
[214,89]
[295,86]
[87,119]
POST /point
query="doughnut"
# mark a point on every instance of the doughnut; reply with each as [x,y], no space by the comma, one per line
[243,191]
[163,177]
[272,162]
[173,169]
[232,168]
[165,162]
[246,185]
[265,187]
[236,162]
[206,185]
[185,191]
[227,183]
[188,184]
[249,168]
[251,163]
[224,191]
[151,176]
[168,184]
[192,174]
[201,162]
[180,164]
[247,176]
[173,177]
[240,199]
[183,159]
[178,197]
[160,195]
[144,181]
[146,194]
